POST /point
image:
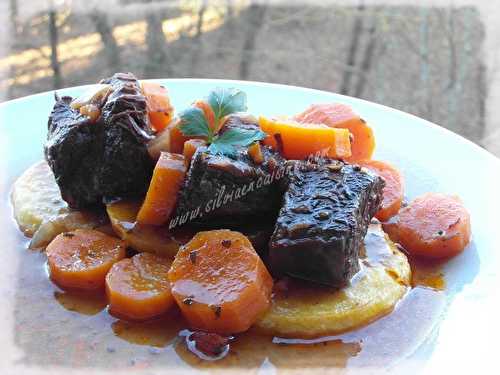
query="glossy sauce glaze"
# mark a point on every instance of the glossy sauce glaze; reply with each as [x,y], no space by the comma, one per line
[69,329]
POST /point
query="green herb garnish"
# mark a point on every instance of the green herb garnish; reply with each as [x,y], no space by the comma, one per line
[195,124]
[226,101]
[223,102]
[228,142]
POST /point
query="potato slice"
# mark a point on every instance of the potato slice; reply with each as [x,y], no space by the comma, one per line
[145,238]
[40,211]
[305,311]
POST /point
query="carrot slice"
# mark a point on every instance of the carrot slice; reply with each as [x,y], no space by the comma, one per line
[255,153]
[145,238]
[220,283]
[82,258]
[190,148]
[177,138]
[161,197]
[301,141]
[208,112]
[434,225]
[339,115]
[138,287]
[393,190]
[160,111]
[159,144]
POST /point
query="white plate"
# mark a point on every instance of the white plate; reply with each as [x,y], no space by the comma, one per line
[462,340]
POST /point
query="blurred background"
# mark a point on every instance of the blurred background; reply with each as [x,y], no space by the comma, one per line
[434,58]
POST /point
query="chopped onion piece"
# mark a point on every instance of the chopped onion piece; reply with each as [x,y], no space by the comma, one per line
[94,95]
[91,110]
[159,144]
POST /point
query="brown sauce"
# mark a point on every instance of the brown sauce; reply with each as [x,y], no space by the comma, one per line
[68,329]
[427,273]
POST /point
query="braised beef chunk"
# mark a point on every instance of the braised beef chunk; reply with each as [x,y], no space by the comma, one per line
[259,236]
[221,190]
[105,159]
[258,231]
[240,120]
[322,222]
[126,105]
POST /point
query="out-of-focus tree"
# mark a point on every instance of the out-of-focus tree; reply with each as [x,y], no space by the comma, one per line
[357,29]
[14,15]
[103,27]
[256,13]
[228,28]
[228,14]
[157,62]
[368,58]
[197,44]
[54,44]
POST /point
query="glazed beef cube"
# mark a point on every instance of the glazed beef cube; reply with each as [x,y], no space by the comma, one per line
[322,222]
[106,158]
[223,190]
[241,121]
[259,236]
[258,232]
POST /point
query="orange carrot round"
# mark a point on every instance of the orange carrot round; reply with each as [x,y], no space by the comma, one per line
[82,258]
[393,190]
[161,197]
[434,225]
[339,115]
[160,111]
[138,287]
[220,283]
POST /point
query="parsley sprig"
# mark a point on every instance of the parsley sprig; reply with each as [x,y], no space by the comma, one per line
[223,102]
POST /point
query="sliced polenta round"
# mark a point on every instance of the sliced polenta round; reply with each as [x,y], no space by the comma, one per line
[40,211]
[306,310]
[144,238]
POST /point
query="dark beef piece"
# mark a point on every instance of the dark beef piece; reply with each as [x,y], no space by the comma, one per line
[228,190]
[126,106]
[259,231]
[322,222]
[108,159]
[259,236]
[240,120]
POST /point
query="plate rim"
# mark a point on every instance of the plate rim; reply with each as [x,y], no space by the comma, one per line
[447,132]
[486,157]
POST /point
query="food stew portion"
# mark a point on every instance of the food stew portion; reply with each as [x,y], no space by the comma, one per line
[282,225]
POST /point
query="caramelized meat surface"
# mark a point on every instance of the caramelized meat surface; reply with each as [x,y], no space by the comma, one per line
[223,190]
[322,222]
[104,158]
